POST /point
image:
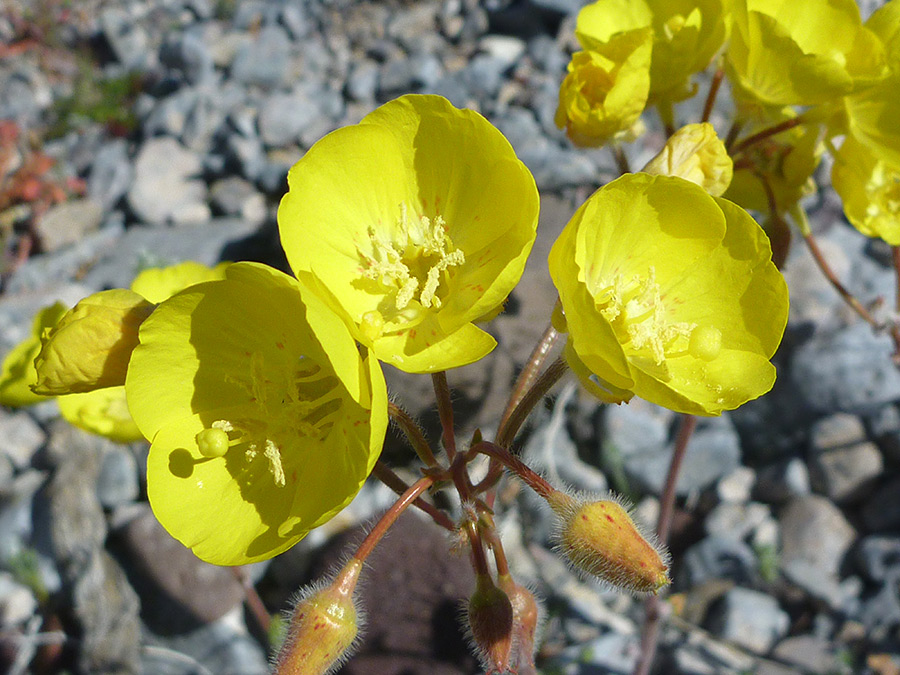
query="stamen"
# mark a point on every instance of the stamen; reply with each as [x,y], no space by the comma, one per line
[412,262]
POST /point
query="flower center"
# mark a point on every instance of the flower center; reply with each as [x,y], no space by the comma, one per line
[635,309]
[409,263]
[303,403]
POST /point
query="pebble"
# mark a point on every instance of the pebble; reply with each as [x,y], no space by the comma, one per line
[777,483]
[234,196]
[265,60]
[282,116]
[111,174]
[17,602]
[717,557]
[749,618]
[843,464]
[165,167]
[846,371]
[736,520]
[67,223]
[22,437]
[117,482]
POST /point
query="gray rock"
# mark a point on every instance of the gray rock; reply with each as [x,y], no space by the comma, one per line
[737,486]
[283,116]
[295,18]
[777,483]
[843,464]
[237,197]
[247,153]
[67,223]
[117,482]
[881,511]
[750,618]
[848,370]
[17,602]
[169,115]
[878,557]
[16,519]
[884,427]
[363,81]
[187,53]
[149,247]
[24,94]
[635,431]
[736,520]
[716,557]
[815,531]
[21,438]
[810,652]
[223,647]
[165,167]
[484,74]
[265,60]
[105,605]
[110,175]
[610,654]
[126,37]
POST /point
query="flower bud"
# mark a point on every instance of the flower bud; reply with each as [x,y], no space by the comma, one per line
[600,538]
[91,345]
[695,153]
[491,622]
[323,627]
[526,619]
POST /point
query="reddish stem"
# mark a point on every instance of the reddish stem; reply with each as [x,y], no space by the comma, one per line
[413,433]
[650,631]
[390,516]
[713,92]
[383,473]
[445,411]
[766,133]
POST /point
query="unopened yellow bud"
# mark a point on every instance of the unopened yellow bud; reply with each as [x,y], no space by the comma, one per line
[323,627]
[491,622]
[600,538]
[695,153]
[91,345]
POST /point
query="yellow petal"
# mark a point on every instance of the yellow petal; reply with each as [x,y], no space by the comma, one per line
[90,346]
[18,373]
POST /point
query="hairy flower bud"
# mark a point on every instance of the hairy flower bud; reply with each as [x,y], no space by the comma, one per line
[600,538]
[323,627]
[526,619]
[491,622]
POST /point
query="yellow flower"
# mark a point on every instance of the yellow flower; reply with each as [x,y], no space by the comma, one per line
[88,348]
[686,36]
[19,375]
[669,294]
[869,114]
[870,190]
[264,418]
[415,222]
[695,153]
[605,90]
[803,52]
[103,412]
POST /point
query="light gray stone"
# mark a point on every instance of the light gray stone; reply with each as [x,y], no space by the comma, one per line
[117,482]
[777,483]
[265,60]
[67,223]
[848,370]
[22,437]
[815,531]
[752,619]
[165,188]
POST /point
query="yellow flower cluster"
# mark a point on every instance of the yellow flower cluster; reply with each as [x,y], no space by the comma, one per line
[262,393]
